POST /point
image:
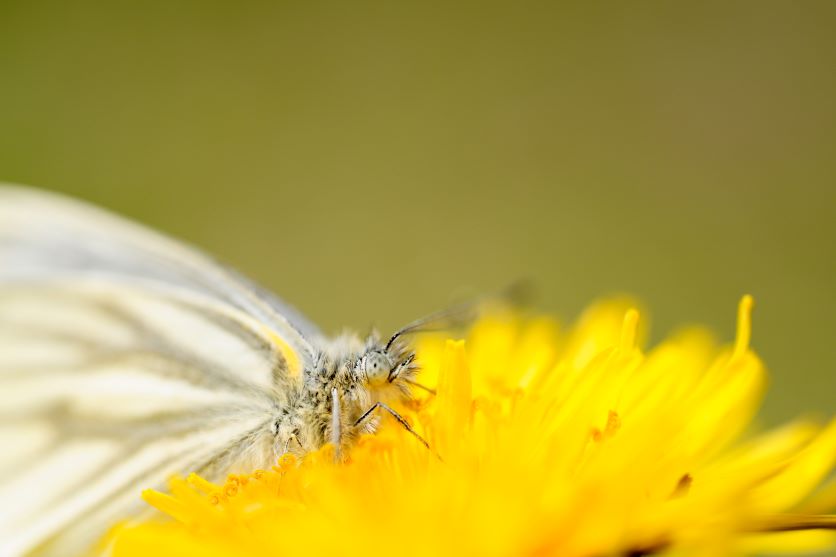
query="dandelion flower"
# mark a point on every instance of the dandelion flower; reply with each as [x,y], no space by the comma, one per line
[543,442]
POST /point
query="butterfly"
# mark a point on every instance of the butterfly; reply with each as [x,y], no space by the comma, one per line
[127,357]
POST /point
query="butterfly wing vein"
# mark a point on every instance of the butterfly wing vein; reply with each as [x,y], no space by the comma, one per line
[125,357]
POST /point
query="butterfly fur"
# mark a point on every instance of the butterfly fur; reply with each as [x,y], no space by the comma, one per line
[127,357]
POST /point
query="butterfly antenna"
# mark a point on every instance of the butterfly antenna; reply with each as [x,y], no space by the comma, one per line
[517,294]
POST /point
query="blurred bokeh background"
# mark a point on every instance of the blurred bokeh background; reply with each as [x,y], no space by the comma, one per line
[372,161]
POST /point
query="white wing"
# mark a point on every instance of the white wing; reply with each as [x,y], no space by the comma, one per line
[124,358]
[45,234]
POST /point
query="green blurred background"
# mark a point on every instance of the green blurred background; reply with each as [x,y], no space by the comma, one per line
[371,162]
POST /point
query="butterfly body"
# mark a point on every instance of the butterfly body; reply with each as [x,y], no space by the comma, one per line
[127,357]
[351,370]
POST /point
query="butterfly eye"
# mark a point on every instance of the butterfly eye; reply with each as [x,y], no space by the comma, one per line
[377,366]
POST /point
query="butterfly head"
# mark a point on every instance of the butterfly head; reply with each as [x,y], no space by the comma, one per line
[383,366]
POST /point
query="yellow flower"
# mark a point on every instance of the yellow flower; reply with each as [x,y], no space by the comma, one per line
[542,443]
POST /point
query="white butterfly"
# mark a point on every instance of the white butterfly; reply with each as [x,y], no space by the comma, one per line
[126,357]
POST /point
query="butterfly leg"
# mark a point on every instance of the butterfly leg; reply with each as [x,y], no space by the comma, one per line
[406,365]
[336,424]
[397,416]
[395,372]
[420,386]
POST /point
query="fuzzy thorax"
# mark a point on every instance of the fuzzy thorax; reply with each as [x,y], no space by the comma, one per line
[347,379]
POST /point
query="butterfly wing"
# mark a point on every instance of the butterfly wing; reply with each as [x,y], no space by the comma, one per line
[45,235]
[124,358]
